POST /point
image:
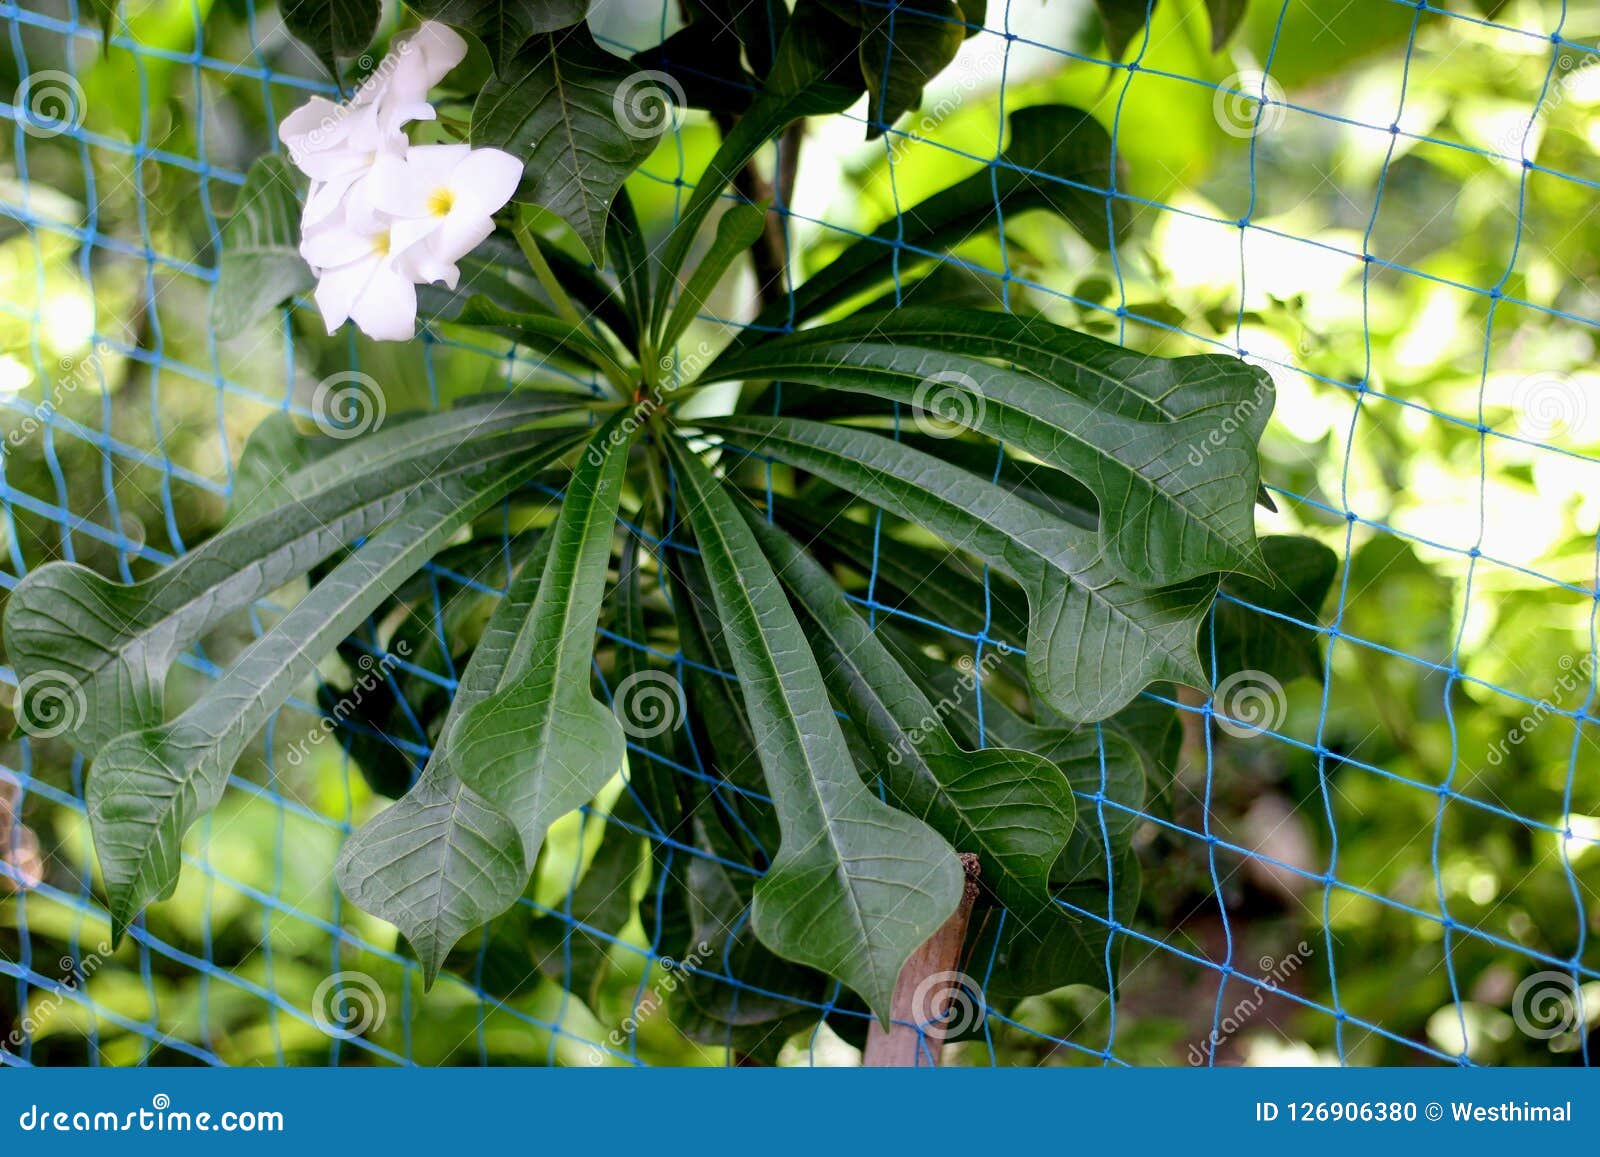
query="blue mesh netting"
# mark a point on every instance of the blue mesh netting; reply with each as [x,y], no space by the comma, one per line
[1392,212]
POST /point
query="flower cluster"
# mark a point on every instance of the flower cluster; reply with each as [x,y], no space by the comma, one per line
[383,215]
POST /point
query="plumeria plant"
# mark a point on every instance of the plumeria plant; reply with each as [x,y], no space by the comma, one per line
[882,455]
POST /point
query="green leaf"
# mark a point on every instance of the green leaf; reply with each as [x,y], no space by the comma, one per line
[147,787]
[1275,631]
[811,76]
[542,332]
[1177,498]
[1094,640]
[625,248]
[1122,20]
[114,644]
[856,886]
[574,947]
[1049,952]
[261,264]
[443,860]
[563,106]
[105,17]
[651,777]
[1058,158]
[737,230]
[332,28]
[541,745]
[504,26]
[759,25]
[1225,18]
[703,60]
[902,48]
[1012,808]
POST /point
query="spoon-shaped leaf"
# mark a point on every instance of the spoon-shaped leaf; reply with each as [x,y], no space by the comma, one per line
[1177,498]
[1094,640]
[114,644]
[147,787]
[1013,808]
[857,885]
[541,745]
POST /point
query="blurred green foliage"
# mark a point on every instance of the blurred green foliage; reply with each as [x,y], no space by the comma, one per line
[1437,436]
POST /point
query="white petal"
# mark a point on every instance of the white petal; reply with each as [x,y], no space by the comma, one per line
[335,246]
[484,181]
[459,235]
[338,290]
[393,189]
[387,310]
[326,197]
[441,47]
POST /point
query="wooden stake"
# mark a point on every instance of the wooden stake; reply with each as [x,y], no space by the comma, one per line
[923,994]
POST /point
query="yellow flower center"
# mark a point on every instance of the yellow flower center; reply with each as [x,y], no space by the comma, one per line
[439,202]
[381,243]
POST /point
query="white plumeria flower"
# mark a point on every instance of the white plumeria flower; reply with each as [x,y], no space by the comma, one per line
[336,145]
[443,199]
[358,279]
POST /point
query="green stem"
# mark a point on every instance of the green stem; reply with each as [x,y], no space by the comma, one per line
[621,381]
